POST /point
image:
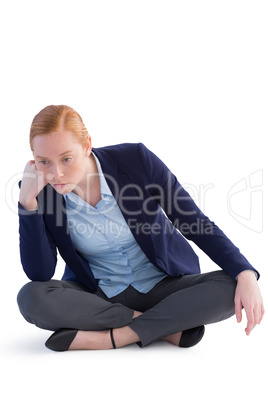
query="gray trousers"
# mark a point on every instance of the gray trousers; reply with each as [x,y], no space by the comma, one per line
[173,305]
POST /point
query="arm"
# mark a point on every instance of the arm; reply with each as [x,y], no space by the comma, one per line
[195,226]
[189,219]
[37,248]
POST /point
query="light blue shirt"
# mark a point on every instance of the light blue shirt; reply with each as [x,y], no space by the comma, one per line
[103,237]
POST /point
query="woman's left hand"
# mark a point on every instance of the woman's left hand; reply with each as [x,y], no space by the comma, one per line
[249,296]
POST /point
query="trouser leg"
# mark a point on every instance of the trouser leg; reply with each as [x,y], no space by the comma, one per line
[198,300]
[62,304]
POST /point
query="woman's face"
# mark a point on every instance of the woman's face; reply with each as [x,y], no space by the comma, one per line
[62,159]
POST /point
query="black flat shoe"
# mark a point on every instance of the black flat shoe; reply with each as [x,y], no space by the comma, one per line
[191,337]
[61,340]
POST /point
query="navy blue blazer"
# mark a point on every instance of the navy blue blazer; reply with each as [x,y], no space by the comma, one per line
[160,213]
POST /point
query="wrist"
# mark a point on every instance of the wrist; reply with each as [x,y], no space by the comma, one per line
[28,205]
[247,275]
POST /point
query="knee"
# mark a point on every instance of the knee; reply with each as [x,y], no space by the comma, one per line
[224,280]
[228,283]
[227,288]
[29,298]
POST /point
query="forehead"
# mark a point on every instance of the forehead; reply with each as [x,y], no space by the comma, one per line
[55,143]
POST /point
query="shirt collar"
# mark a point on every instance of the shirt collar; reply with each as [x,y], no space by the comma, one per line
[105,190]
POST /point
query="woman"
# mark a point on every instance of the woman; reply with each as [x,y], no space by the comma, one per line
[130,276]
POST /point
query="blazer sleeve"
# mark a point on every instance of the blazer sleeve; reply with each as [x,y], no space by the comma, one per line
[189,219]
[37,249]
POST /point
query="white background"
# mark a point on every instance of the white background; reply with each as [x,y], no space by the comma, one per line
[189,80]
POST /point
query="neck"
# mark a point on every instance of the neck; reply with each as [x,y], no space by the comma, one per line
[89,187]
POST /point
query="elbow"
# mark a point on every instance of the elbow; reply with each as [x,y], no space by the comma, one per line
[37,272]
[38,276]
[38,268]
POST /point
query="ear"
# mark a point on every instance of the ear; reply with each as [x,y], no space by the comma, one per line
[88,147]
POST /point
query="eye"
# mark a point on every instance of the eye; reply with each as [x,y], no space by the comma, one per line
[67,159]
[44,163]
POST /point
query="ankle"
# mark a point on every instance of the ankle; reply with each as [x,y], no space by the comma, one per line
[174,339]
[136,314]
[124,336]
[91,340]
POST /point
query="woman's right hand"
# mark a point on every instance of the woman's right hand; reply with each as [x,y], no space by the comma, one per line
[32,183]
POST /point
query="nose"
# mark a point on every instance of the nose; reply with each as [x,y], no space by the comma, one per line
[57,172]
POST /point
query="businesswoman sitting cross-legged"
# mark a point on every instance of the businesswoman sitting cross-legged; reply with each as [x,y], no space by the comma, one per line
[121,222]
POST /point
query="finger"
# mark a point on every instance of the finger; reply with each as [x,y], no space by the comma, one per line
[257,315]
[31,162]
[251,321]
[238,310]
[261,313]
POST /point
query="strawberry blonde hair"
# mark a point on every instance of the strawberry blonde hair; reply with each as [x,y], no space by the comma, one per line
[53,118]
